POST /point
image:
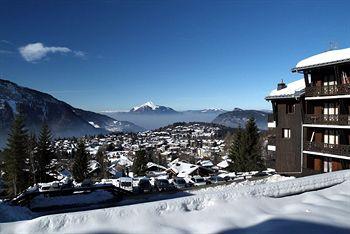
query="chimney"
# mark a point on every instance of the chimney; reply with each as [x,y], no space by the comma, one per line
[281,85]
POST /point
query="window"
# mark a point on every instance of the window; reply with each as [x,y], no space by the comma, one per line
[331,137]
[290,108]
[286,133]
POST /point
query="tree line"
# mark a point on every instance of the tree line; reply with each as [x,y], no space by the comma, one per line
[27,159]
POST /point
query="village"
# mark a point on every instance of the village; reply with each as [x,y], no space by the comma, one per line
[181,156]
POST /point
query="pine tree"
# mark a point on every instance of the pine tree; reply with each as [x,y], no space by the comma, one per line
[102,160]
[245,151]
[33,166]
[80,164]
[140,163]
[44,154]
[237,151]
[253,146]
[16,153]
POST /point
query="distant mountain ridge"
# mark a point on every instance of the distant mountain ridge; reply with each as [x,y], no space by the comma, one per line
[63,119]
[238,117]
[149,108]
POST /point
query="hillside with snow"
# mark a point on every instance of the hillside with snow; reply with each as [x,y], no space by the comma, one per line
[63,119]
[314,204]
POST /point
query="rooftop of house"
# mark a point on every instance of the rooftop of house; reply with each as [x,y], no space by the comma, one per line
[327,58]
[292,90]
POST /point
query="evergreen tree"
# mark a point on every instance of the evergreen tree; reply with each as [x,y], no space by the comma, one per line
[102,160]
[81,162]
[16,153]
[140,163]
[44,154]
[253,146]
[33,162]
[245,151]
[237,151]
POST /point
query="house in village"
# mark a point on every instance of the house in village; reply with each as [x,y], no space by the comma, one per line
[179,168]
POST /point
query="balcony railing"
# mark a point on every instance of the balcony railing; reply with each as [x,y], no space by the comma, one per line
[327,119]
[330,90]
[341,150]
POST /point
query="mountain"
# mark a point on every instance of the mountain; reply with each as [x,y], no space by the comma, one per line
[106,122]
[151,108]
[239,117]
[151,116]
[63,119]
[213,111]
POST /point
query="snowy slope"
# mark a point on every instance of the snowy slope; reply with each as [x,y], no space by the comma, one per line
[63,119]
[239,209]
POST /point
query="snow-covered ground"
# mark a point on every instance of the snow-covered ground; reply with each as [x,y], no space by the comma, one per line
[250,207]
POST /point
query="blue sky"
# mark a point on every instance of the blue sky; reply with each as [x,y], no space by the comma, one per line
[112,55]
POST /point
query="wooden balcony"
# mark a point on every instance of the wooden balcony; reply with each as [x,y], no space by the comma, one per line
[331,90]
[327,119]
[341,150]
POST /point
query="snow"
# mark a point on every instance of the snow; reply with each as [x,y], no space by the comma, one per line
[13,105]
[94,125]
[291,89]
[147,104]
[183,169]
[116,158]
[151,164]
[250,207]
[223,164]
[93,165]
[324,58]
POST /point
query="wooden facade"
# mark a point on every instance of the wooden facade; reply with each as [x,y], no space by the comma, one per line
[327,118]
[316,122]
[288,116]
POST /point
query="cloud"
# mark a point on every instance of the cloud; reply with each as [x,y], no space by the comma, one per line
[6,42]
[6,52]
[80,54]
[37,51]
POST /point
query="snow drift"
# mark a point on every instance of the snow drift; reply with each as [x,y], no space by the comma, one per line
[220,209]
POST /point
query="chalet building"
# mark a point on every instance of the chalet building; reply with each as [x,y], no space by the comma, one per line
[310,124]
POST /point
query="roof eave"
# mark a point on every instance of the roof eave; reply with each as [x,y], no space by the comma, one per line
[300,69]
[296,95]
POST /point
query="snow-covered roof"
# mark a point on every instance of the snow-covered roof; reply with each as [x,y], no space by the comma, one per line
[183,169]
[151,164]
[223,164]
[293,90]
[206,163]
[324,59]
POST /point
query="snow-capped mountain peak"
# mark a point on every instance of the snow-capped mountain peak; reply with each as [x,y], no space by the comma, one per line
[213,110]
[149,107]
[148,104]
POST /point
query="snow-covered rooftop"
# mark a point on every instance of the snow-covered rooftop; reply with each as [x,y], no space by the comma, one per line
[323,59]
[294,89]
[183,169]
